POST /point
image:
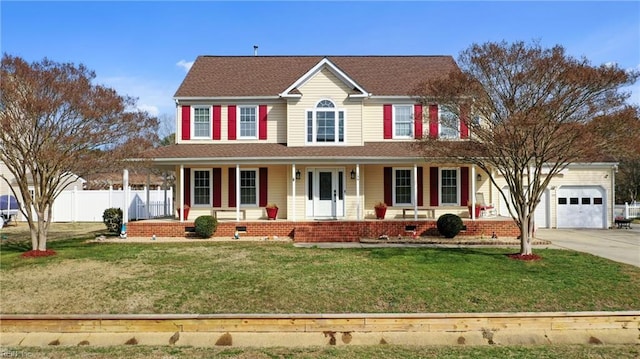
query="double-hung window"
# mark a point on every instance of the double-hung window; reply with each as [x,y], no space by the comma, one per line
[402,187]
[325,123]
[248,120]
[202,187]
[449,126]
[201,122]
[403,121]
[249,188]
[450,186]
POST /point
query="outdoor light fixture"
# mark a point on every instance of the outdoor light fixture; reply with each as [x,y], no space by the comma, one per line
[297,174]
[353,174]
[479,177]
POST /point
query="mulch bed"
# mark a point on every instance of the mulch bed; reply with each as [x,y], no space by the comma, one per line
[36,254]
[458,241]
[524,257]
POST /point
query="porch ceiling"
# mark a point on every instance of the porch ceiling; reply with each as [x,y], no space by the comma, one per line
[277,153]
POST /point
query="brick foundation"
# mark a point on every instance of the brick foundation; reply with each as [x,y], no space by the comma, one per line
[326,231]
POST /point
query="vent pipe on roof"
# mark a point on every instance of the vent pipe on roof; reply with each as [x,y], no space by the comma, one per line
[255,50]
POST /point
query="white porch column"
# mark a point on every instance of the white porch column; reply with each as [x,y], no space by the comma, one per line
[164,184]
[293,192]
[415,193]
[125,192]
[358,200]
[181,205]
[237,192]
[473,193]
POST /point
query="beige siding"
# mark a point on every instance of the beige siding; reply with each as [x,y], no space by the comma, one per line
[276,194]
[324,85]
[573,176]
[276,122]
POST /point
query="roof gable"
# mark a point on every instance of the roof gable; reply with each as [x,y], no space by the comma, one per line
[324,63]
[272,76]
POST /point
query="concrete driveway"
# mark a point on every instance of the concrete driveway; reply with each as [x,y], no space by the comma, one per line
[620,245]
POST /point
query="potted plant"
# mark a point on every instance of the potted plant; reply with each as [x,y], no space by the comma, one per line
[272,210]
[477,210]
[381,210]
[186,211]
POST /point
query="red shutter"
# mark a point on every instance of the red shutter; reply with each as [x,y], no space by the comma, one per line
[217,122]
[217,187]
[420,187]
[231,116]
[264,188]
[262,124]
[186,122]
[464,184]
[417,121]
[388,182]
[464,120]
[187,186]
[232,187]
[433,121]
[388,121]
[433,186]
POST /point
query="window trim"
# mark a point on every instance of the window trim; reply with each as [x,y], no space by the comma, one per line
[193,122]
[440,125]
[314,120]
[239,123]
[239,189]
[393,186]
[411,120]
[193,187]
[458,186]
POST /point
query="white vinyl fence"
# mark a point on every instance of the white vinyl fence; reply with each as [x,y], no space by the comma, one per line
[89,205]
[632,210]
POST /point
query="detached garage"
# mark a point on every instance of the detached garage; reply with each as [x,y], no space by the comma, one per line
[581,207]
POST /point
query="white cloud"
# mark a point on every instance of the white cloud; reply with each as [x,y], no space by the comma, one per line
[186,65]
[154,97]
[152,110]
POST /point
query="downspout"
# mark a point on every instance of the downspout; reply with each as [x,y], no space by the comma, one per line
[358,202]
[415,193]
[237,192]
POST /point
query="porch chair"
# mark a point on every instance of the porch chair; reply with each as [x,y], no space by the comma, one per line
[486,210]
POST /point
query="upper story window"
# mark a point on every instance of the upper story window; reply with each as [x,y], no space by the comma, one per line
[449,126]
[248,122]
[325,123]
[201,122]
[403,121]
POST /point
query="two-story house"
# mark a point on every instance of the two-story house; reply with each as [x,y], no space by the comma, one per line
[324,138]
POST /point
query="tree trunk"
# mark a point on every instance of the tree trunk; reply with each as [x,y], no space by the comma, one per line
[39,233]
[525,238]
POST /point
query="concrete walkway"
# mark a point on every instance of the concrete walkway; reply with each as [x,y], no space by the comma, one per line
[620,245]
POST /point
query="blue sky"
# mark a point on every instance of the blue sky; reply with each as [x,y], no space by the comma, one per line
[143,48]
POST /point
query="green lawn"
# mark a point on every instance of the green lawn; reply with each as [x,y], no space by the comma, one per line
[347,352]
[280,278]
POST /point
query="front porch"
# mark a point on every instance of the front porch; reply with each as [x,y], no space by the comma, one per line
[326,230]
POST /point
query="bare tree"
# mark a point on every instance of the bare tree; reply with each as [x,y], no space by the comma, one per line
[527,109]
[55,124]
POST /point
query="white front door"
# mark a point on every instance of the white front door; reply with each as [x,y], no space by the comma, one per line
[327,193]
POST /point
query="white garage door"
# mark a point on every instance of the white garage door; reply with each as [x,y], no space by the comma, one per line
[541,216]
[581,207]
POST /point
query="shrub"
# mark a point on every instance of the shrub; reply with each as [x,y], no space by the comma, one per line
[449,225]
[205,226]
[112,218]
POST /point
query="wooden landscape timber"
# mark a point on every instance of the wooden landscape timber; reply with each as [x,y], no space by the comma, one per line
[297,330]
